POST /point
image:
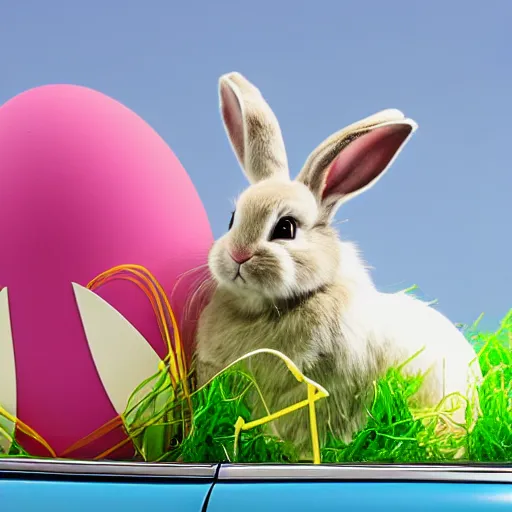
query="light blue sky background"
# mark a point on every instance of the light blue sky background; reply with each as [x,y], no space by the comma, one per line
[440,218]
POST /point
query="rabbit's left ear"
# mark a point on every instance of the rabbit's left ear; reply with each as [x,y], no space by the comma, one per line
[252,128]
[354,159]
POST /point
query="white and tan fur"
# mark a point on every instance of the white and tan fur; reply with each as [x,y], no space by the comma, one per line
[312,297]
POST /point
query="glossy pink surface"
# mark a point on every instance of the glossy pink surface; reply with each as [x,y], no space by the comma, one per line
[85,185]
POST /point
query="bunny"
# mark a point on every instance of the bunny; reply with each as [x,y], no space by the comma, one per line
[284,280]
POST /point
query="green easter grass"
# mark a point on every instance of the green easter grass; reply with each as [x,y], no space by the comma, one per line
[393,434]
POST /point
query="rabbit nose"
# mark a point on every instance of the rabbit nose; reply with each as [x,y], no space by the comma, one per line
[240,255]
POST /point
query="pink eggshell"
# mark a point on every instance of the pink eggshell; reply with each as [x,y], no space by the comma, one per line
[85,185]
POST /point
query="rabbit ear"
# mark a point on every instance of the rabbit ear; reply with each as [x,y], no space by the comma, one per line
[355,158]
[252,128]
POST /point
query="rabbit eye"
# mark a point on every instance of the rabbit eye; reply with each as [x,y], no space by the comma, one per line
[231,220]
[285,229]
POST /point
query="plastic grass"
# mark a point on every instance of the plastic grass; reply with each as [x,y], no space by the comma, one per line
[213,435]
[211,408]
[395,432]
[167,422]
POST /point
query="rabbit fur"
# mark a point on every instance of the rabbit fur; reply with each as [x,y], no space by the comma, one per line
[311,296]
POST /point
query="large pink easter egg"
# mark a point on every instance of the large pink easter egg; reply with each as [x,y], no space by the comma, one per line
[85,185]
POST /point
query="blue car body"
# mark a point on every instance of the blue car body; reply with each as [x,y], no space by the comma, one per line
[58,486]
